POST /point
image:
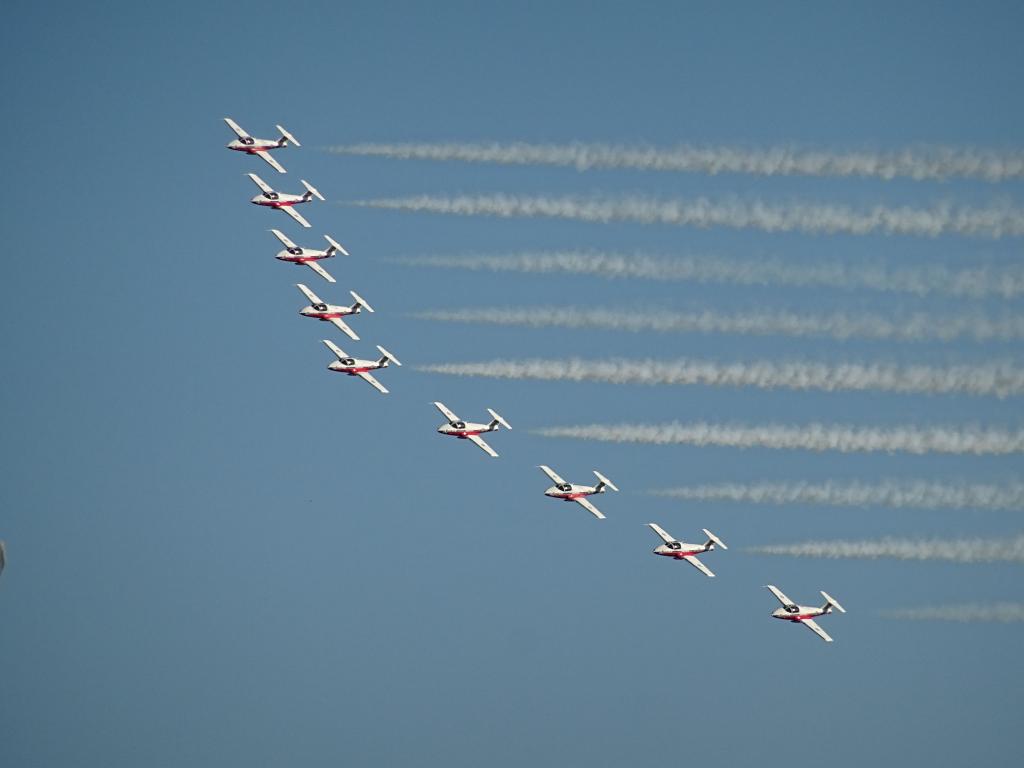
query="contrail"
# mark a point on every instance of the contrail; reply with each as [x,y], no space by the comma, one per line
[914,163]
[918,326]
[810,437]
[974,282]
[913,494]
[812,218]
[992,379]
[956,551]
[1006,613]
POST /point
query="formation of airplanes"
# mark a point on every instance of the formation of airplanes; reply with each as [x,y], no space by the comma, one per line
[454,426]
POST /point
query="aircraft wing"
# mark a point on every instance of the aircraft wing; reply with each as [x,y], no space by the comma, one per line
[780,596]
[239,132]
[486,448]
[698,565]
[260,182]
[552,474]
[812,625]
[445,412]
[590,508]
[372,382]
[313,298]
[273,163]
[283,238]
[320,271]
[338,351]
[295,215]
[338,323]
[665,535]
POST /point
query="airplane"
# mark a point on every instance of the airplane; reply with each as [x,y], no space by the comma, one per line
[259,147]
[467,430]
[331,313]
[299,256]
[282,201]
[805,614]
[680,550]
[361,368]
[578,493]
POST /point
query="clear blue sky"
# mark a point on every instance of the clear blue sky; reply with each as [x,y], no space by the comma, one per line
[221,554]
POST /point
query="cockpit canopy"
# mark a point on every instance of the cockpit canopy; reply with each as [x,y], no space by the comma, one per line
[459,424]
[792,608]
[270,195]
[296,251]
[564,487]
[321,307]
[247,140]
[674,545]
[347,361]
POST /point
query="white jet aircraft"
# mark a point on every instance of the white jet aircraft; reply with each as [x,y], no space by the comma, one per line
[681,550]
[308,256]
[259,147]
[805,614]
[578,493]
[283,201]
[361,368]
[331,313]
[467,430]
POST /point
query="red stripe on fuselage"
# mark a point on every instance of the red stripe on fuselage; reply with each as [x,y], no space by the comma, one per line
[571,496]
[465,434]
[681,555]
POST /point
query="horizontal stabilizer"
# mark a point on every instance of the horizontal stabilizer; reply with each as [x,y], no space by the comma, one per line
[829,600]
[361,301]
[287,136]
[605,480]
[713,538]
[498,419]
[312,190]
[335,244]
[388,355]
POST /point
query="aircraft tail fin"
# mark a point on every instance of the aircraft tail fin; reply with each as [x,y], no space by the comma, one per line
[311,191]
[604,481]
[496,420]
[387,357]
[713,540]
[361,303]
[335,246]
[286,137]
[830,603]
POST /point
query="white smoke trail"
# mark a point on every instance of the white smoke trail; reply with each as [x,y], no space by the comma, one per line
[998,379]
[914,327]
[1005,613]
[812,218]
[975,282]
[956,551]
[809,437]
[915,494]
[916,163]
